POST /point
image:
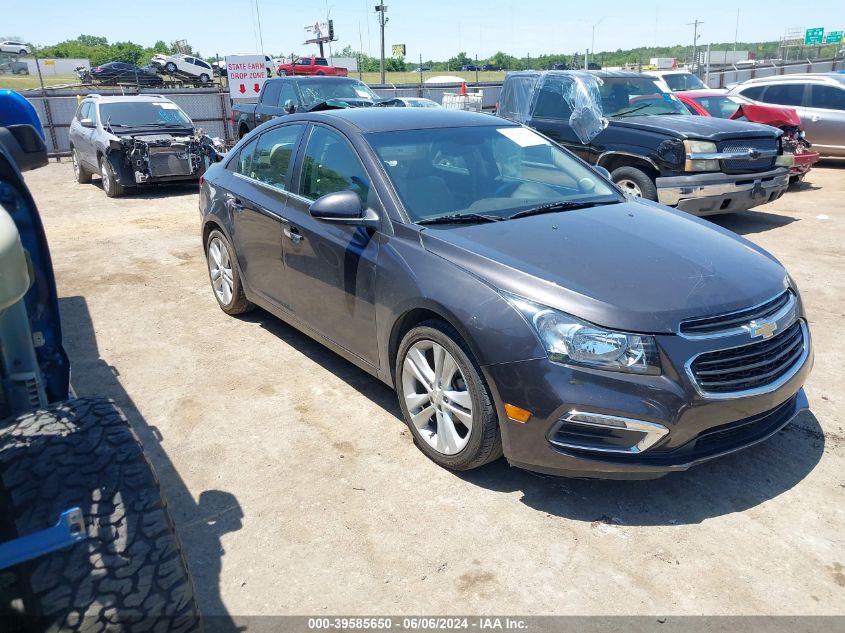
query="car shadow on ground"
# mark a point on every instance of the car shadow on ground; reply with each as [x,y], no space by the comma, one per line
[200,523]
[364,383]
[156,192]
[746,222]
[733,483]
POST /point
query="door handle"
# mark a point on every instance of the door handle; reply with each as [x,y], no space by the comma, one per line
[293,234]
[815,118]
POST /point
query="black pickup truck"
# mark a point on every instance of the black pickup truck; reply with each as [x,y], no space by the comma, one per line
[651,146]
[286,95]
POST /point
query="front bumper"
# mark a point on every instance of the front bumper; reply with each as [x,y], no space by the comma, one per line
[700,428]
[712,193]
[803,163]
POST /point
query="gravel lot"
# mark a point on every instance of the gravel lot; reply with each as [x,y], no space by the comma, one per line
[297,489]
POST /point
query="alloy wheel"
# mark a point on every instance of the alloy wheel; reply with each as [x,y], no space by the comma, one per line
[437,397]
[104,172]
[75,160]
[220,269]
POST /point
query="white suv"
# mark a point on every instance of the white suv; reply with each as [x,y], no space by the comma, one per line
[185,65]
[18,48]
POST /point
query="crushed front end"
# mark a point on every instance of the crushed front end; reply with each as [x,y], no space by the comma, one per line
[154,158]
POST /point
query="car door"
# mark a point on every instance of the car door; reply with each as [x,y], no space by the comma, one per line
[256,205]
[85,136]
[331,267]
[824,121]
[790,94]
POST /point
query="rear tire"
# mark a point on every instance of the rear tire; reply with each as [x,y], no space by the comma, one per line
[634,182]
[484,444]
[170,67]
[282,73]
[83,176]
[112,188]
[83,453]
[224,275]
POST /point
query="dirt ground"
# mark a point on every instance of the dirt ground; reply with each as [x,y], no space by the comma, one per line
[297,489]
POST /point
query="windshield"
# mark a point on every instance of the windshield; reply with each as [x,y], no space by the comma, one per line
[626,96]
[720,106]
[495,171]
[144,114]
[316,91]
[684,81]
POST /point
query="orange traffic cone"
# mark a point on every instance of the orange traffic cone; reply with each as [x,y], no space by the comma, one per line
[463,89]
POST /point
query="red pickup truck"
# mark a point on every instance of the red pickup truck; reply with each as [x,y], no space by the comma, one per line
[310,66]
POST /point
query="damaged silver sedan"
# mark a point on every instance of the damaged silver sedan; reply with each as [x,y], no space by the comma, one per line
[137,140]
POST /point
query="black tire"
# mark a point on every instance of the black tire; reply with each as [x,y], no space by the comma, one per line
[22,52]
[112,188]
[320,73]
[204,78]
[83,453]
[243,131]
[170,67]
[485,442]
[269,73]
[238,304]
[637,176]
[82,175]
[282,73]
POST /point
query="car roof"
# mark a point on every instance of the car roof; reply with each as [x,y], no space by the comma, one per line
[565,73]
[805,77]
[693,94]
[398,119]
[127,98]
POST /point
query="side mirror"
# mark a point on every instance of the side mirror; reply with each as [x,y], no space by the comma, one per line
[343,207]
[87,123]
[289,107]
[601,170]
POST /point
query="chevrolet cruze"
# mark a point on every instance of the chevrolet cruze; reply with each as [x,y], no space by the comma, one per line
[517,302]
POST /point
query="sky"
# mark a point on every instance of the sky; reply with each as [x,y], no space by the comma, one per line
[435,29]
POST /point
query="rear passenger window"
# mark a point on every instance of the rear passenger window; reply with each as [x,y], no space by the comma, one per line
[753,92]
[827,97]
[784,94]
[272,157]
[550,102]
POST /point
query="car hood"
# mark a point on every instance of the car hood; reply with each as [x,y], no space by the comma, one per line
[634,266]
[768,115]
[697,127]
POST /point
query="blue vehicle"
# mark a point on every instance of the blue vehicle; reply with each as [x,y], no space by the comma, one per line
[85,537]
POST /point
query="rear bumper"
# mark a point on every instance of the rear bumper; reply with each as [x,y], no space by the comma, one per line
[709,194]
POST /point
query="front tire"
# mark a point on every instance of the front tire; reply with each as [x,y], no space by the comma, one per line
[204,78]
[112,188]
[634,182]
[282,73]
[170,67]
[444,398]
[82,175]
[224,275]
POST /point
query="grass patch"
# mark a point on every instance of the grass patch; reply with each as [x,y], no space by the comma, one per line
[27,82]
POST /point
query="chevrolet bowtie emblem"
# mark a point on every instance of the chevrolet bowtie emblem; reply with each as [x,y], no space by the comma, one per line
[766,329]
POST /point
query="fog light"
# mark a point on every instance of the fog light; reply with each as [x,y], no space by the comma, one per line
[785,160]
[605,433]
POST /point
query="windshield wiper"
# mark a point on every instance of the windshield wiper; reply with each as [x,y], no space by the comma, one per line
[461,218]
[554,207]
[632,110]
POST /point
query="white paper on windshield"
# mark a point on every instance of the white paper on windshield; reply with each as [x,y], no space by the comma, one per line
[362,93]
[167,106]
[522,136]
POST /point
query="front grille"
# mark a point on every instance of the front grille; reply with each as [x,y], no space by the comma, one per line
[750,164]
[749,366]
[734,320]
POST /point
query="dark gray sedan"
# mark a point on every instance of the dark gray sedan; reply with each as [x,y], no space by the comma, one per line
[514,298]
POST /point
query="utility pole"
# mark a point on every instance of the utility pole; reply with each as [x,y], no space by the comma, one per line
[695,41]
[381,9]
[593,43]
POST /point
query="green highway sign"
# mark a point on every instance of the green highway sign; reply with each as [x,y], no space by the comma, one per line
[814,37]
[833,37]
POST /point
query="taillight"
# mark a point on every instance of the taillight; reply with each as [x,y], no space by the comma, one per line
[202,180]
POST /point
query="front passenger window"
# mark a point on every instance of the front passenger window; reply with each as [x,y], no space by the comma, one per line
[330,165]
[827,97]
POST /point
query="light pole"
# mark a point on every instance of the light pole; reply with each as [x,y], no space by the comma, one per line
[381,9]
[593,40]
[695,37]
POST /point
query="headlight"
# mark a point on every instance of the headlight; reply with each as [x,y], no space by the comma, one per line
[568,339]
[700,164]
[785,160]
